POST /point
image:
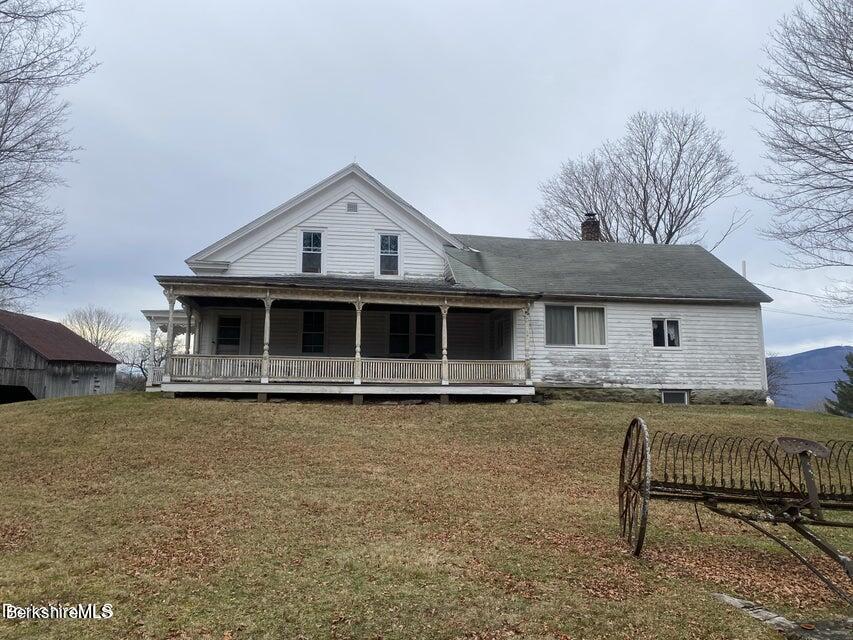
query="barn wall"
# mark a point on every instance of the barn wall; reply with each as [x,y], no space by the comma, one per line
[65,379]
[20,365]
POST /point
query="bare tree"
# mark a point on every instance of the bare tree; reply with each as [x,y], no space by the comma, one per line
[103,328]
[653,185]
[40,53]
[809,137]
[136,355]
[777,375]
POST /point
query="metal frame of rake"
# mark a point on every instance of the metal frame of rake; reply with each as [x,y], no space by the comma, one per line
[787,481]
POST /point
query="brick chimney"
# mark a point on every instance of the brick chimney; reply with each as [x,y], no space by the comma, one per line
[591,228]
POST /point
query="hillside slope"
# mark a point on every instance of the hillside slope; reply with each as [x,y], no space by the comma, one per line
[210,519]
[811,376]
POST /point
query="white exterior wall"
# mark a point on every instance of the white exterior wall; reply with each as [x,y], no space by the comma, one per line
[350,245]
[721,348]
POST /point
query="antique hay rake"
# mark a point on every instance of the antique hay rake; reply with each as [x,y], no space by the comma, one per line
[789,481]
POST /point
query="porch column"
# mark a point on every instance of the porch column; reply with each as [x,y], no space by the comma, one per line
[152,354]
[197,333]
[445,366]
[188,313]
[170,336]
[356,373]
[528,377]
[265,358]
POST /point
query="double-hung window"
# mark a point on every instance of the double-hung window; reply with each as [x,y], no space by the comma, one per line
[312,252]
[389,254]
[313,331]
[666,332]
[572,325]
[398,334]
[425,334]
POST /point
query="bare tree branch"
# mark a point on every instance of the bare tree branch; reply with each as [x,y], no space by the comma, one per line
[653,185]
[809,137]
[40,53]
[103,328]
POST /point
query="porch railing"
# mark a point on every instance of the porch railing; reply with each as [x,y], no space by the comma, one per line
[485,371]
[155,376]
[218,368]
[400,370]
[195,367]
[296,369]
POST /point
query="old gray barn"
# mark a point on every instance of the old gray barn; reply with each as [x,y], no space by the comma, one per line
[44,359]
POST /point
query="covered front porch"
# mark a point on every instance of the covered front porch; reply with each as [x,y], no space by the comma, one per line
[281,340]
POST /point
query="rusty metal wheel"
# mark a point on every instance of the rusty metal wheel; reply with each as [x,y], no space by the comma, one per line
[635,476]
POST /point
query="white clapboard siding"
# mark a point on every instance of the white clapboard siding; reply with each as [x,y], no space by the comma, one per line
[721,348]
[349,245]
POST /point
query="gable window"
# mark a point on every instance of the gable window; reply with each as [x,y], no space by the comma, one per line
[666,332]
[389,254]
[575,326]
[352,207]
[312,251]
[425,334]
[398,333]
[313,331]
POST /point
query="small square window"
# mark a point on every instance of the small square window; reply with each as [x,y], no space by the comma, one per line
[666,332]
[352,207]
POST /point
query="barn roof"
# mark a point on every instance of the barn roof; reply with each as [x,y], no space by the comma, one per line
[52,340]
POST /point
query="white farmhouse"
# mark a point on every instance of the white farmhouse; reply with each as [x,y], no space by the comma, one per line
[348,289]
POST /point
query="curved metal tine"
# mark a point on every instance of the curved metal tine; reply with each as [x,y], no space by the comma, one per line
[680,457]
[740,459]
[726,476]
[691,452]
[666,444]
[657,440]
[712,460]
[706,439]
[756,475]
[783,474]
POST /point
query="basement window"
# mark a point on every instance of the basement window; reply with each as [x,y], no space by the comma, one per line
[666,332]
[352,207]
[674,397]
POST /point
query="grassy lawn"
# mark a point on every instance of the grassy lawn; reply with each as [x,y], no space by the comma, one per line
[210,519]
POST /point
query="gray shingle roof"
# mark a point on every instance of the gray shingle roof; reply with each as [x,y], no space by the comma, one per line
[601,269]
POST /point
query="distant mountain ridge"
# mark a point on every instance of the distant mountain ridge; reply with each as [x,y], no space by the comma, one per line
[810,376]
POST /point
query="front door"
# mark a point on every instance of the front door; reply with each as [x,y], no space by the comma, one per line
[228,336]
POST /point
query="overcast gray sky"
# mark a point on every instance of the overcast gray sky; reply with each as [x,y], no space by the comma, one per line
[204,115]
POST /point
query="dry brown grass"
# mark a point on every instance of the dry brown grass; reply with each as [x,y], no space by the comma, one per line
[207,519]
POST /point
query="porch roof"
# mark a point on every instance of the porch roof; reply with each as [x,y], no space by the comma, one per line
[349,285]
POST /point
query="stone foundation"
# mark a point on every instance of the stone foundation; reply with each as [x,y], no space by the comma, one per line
[627,394]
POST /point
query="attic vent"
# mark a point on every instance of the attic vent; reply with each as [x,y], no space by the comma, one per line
[352,207]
